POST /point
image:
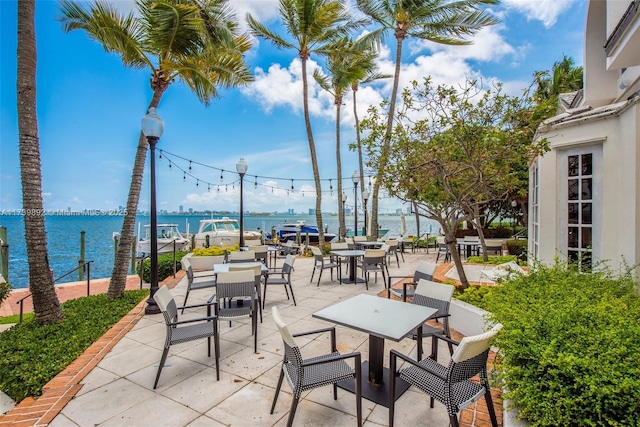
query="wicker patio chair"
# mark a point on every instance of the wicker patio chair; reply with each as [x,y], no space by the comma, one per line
[306,374]
[321,263]
[451,385]
[424,270]
[374,261]
[180,331]
[281,276]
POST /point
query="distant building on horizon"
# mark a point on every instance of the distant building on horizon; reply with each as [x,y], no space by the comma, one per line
[180,209]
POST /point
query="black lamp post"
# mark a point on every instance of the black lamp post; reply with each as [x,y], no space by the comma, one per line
[514,204]
[365,198]
[152,128]
[344,212]
[356,179]
[241,168]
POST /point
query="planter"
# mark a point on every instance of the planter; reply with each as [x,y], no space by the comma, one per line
[199,263]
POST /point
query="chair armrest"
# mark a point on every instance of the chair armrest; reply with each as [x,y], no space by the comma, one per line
[356,355]
[331,329]
[199,319]
[395,353]
[446,338]
[208,303]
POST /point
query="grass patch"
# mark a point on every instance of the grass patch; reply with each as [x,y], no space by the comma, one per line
[15,318]
[32,354]
[495,259]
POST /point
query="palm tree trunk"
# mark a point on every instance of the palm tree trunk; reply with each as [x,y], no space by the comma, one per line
[384,151]
[46,305]
[354,89]
[121,262]
[312,150]
[341,218]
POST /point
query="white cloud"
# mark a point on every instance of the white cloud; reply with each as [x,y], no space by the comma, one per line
[487,45]
[546,11]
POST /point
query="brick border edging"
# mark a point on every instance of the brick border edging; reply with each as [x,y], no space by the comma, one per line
[63,387]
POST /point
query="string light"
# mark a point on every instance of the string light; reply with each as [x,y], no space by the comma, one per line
[292,186]
[197,182]
[184,176]
[189,165]
[330,188]
[218,188]
[221,177]
[255,184]
[208,187]
[160,157]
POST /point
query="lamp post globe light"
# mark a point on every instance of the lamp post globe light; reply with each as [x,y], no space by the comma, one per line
[241,168]
[344,211]
[152,128]
[365,198]
[356,179]
[514,204]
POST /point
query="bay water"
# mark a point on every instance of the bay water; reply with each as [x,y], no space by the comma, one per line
[63,237]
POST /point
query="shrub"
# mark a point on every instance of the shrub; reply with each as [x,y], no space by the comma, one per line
[5,288]
[517,247]
[210,251]
[32,354]
[570,346]
[494,259]
[474,295]
[165,266]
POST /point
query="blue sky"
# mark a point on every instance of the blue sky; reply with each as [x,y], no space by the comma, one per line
[90,107]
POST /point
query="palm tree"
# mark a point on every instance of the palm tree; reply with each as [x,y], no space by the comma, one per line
[366,63]
[193,41]
[46,305]
[440,21]
[348,63]
[314,26]
[564,77]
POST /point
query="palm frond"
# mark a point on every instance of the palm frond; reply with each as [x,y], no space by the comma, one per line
[117,34]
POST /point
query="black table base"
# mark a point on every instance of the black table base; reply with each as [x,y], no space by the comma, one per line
[378,393]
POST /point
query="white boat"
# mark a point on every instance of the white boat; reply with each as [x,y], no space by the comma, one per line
[167,235]
[300,230]
[222,232]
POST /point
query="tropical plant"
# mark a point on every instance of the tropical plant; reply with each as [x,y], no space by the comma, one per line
[348,62]
[315,26]
[440,21]
[454,150]
[570,345]
[45,301]
[193,41]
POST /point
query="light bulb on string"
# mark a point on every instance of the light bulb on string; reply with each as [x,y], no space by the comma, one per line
[255,184]
[330,188]
[292,186]
[189,165]
[184,176]
[170,166]
[160,156]
[208,187]
[226,188]
[218,189]
[197,183]
[221,177]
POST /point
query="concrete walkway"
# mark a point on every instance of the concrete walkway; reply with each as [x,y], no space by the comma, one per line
[117,390]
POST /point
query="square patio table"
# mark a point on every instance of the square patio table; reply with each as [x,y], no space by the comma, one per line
[382,319]
[352,255]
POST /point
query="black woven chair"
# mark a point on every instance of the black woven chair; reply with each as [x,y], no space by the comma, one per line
[180,331]
[374,261]
[451,385]
[321,263]
[424,270]
[241,287]
[280,276]
[306,374]
[197,282]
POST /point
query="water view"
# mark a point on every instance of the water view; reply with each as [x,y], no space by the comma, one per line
[63,237]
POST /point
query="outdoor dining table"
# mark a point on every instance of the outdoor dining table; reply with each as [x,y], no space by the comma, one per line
[224,268]
[352,255]
[382,319]
[369,245]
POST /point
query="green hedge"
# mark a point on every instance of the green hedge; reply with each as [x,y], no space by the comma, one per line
[32,354]
[165,266]
[570,346]
[5,288]
[517,247]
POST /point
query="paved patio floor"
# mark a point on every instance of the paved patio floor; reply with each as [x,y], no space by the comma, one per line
[118,391]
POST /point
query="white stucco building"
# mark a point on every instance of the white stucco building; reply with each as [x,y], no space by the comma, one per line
[584,193]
